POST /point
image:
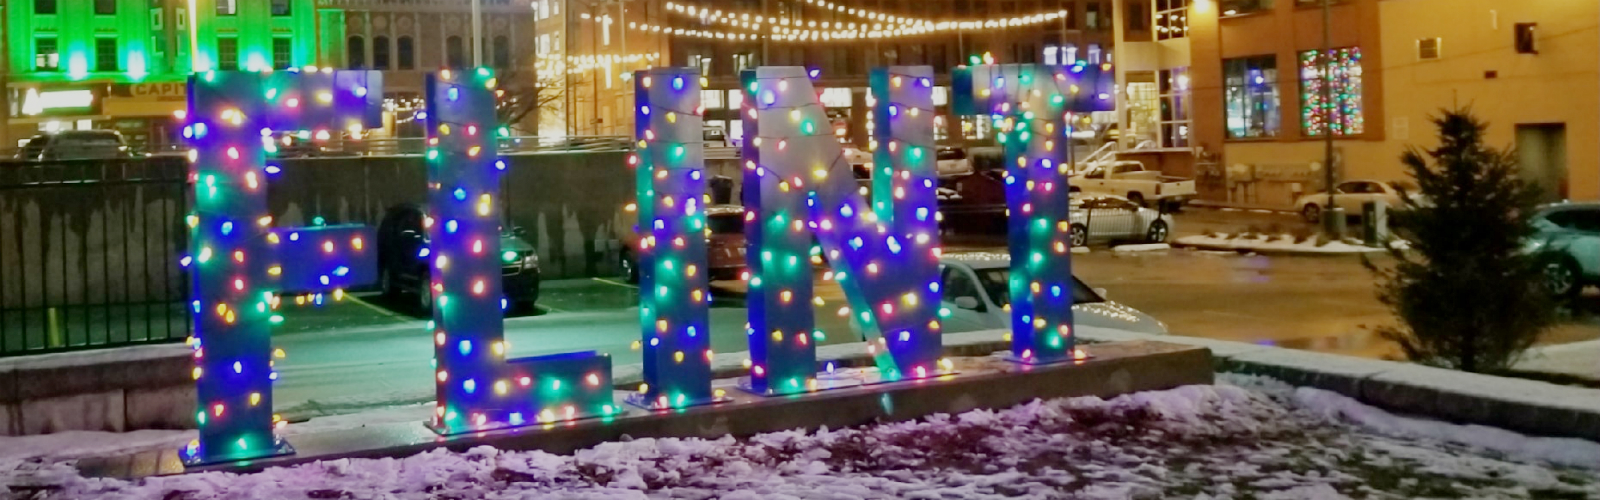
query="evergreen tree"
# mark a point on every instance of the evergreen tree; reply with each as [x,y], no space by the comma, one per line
[1469,297]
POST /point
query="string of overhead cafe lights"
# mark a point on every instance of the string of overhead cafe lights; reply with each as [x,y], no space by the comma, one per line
[786,29]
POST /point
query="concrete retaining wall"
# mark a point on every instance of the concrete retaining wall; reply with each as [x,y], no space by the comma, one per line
[122,389]
[1526,406]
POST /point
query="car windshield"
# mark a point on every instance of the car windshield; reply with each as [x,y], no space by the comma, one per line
[952,154]
[725,224]
[995,282]
[92,139]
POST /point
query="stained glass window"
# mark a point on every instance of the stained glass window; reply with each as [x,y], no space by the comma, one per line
[1343,109]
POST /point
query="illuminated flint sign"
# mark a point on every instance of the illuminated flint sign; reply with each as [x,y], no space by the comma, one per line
[885,253]
[477,387]
[237,259]
[1032,106]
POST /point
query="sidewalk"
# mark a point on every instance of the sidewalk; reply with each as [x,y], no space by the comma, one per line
[1580,360]
[1228,205]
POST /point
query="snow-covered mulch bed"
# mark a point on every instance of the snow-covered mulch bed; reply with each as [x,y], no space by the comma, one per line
[1243,438]
[1283,243]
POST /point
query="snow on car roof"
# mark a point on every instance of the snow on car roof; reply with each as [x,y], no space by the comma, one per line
[978,260]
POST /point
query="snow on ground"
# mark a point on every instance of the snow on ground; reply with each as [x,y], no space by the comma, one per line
[1244,438]
[1578,359]
[1280,244]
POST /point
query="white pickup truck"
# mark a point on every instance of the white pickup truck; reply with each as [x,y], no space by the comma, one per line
[1131,180]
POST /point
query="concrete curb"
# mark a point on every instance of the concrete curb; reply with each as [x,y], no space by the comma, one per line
[984,382]
[1526,406]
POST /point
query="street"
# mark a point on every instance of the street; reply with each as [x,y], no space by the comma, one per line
[366,351]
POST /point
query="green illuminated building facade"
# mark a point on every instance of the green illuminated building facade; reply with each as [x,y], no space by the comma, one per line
[120,63]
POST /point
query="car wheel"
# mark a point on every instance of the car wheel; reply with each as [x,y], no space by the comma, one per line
[1136,198]
[1079,235]
[1561,277]
[1311,213]
[386,284]
[630,269]
[425,298]
[1157,233]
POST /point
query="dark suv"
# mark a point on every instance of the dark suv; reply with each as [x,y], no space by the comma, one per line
[75,145]
[403,264]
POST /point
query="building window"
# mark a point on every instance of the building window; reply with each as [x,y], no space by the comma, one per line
[356,52]
[105,7]
[1428,49]
[228,53]
[1174,114]
[502,52]
[1071,8]
[1526,38]
[1172,19]
[407,51]
[742,62]
[105,55]
[282,8]
[156,20]
[702,62]
[1137,20]
[454,53]
[1242,7]
[44,6]
[380,52]
[282,53]
[711,99]
[46,55]
[1343,109]
[1091,16]
[1252,97]
[227,7]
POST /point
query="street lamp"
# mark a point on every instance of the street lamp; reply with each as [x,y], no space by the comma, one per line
[1333,219]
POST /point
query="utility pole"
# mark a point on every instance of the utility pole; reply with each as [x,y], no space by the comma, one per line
[477,33]
[1333,217]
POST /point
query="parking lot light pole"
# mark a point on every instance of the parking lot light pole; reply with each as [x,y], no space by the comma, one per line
[1333,219]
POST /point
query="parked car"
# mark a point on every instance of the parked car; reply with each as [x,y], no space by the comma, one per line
[976,287]
[1102,218]
[952,162]
[1352,196]
[75,145]
[404,270]
[725,243]
[714,137]
[1132,180]
[1567,238]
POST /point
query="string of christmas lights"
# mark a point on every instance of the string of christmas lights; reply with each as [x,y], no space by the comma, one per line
[886,261]
[477,386]
[1032,107]
[674,292]
[780,30]
[237,258]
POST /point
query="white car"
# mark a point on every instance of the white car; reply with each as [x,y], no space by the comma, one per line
[1104,218]
[952,162]
[977,292]
[1352,196]
[1132,180]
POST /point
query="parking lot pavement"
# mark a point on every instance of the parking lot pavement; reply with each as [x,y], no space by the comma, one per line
[368,350]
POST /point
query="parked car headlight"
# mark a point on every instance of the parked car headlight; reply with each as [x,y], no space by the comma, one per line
[531,261]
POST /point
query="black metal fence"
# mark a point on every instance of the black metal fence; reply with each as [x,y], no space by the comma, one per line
[89,254]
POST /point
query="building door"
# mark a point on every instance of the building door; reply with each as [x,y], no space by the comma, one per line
[1542,154]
